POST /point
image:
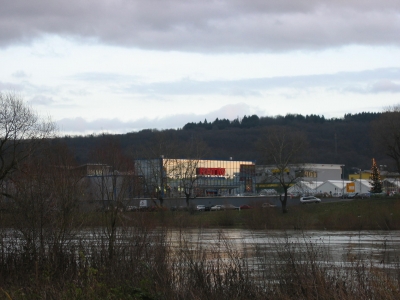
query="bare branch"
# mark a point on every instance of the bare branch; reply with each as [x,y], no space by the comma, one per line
[21,132]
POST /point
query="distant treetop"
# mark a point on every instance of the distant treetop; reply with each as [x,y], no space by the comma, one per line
[255,121]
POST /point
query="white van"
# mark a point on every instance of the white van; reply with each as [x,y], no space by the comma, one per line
[310,199]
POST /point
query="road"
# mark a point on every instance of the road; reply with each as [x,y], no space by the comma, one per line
[256,200]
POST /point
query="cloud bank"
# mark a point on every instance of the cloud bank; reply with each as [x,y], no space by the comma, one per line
[79,125]
[205,26]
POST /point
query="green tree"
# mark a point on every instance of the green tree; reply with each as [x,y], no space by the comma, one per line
[375,178]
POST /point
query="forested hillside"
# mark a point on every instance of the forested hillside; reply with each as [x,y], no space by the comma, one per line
[340,141]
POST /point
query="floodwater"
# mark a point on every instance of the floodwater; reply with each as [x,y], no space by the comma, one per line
[381,248]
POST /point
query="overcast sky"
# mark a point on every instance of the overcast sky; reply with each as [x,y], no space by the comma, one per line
[124,65]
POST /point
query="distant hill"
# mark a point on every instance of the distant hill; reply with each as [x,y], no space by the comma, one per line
[338,141]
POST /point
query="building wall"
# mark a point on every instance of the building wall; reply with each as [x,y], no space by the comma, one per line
[362,186]
[324,172]
[333,186]
[218,177]
[308,172]
[362,175]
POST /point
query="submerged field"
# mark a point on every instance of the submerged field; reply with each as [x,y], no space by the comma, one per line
[130,255]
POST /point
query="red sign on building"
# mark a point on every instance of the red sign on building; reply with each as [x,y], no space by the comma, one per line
[210,171]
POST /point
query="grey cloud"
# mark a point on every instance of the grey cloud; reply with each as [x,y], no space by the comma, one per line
[7,86]
[78,92]
[344,81]
[20,74]
[215,25]
[97,77]
[41,100]
[385,86]
[230,112]
[81,126]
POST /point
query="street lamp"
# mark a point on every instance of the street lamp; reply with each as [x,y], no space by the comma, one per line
[359,172]
[342,167]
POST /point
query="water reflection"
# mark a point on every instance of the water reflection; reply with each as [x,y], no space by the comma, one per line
[381,248]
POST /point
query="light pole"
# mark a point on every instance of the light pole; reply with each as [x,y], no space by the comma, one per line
[359,172]
[161,178]
[382,169]
[342,167]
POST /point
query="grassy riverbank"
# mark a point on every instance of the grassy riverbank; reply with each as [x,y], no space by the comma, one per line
[359,214]
[136,259]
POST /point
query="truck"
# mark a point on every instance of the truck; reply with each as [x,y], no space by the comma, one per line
[143,205]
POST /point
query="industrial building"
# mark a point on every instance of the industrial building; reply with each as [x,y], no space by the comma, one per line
[167,177]
[302,176]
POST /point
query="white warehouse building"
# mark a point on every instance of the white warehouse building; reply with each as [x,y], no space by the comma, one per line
[334,187]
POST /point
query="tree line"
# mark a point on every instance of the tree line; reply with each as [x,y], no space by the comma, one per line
[348,140]
[256,121]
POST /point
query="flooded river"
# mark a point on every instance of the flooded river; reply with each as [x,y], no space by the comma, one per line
[382,248]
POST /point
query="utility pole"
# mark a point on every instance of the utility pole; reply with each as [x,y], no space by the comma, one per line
[161,177]
[342,166]
[335,144]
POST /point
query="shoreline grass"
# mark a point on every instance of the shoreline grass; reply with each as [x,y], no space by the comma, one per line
[138,261]
[359,214]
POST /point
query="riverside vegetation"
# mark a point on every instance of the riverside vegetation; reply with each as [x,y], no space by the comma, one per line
[143,263]
[359,214]
[51,248]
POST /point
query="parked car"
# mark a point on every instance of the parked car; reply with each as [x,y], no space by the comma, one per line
[131,208]
[349,195]
[267,192]
[200,207]
[229,207]
[289,195]
[267,205]
[310,199]
[363,195]
[245,206]
[215,207]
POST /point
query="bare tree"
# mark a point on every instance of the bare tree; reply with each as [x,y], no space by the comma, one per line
[67,189]
[282,148]
[184,170]
[32,208]
[152,163]
[21,131]
[184,173]
[153,177]
[113,187]
[386,134]
[45,195]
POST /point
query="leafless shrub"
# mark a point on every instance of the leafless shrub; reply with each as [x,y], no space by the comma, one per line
[157,263]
